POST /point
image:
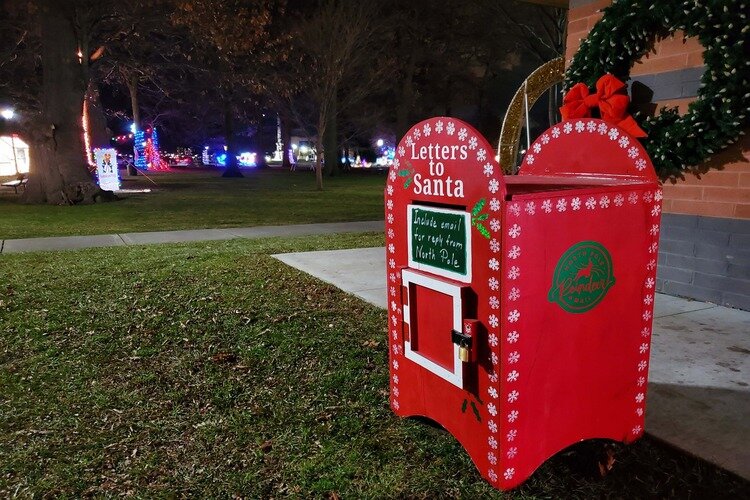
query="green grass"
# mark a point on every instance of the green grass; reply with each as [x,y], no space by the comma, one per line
[196,200]
[212,370]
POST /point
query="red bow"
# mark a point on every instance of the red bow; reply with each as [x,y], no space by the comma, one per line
[611,100]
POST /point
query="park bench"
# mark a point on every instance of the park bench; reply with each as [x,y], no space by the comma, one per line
[15,184]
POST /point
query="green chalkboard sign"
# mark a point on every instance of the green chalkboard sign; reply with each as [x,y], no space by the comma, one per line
[439,241]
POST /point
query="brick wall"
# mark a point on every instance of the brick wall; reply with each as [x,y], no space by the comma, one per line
[705,241]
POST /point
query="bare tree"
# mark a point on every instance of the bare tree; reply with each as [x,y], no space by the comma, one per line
[340,41]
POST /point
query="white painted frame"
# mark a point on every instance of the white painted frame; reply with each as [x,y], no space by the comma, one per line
[436,270]
[409,277]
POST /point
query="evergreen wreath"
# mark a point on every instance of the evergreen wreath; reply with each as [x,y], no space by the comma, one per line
[678,144]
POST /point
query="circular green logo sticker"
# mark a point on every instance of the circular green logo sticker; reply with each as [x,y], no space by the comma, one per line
[583,275]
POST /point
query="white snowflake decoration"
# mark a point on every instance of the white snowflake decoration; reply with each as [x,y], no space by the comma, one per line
[555,132]
[658,195]
[637,429]
[492,426]
[494,185]
[643,348]
[427,130]
[473,143]
[648,196]
[396,164]
[494,204]
[651,265]
[604,202]
[619,200]
[536,147]
[395,364]
[513,337]
[591,203]
[492,409]
[492,458]
[462,134]
[389,204]
[530,208]
[494,245]
[591,126]
[613,134]
[512,416]
[580,126]
[493,321]
[451,128]
[481,155]
[511,436]
[391,248]
[514,272]
[493,340]
[530,159]
[545,139]
[639,397]
[393,291]
[494,264]
[514,294]
[641,381]
[513,316]
[395,404]
[392,264]
[514,252]
[493,377]
[492,392]
[639,412]
[648,300]
[492,442]
[642,366]
[562,205]
[513,376]
[392,175]
[514,231]
[514,209]
[633,152]
[646,315]
[567,128]
[391,233]
[409,142]
[395,379]
[623,142]
[439,127]
[547,206]
[494,284]
[640,164]
[488,169]
[633,198]
[512,452]
[602,129]
[494,302]
[513,396]
[493,357]
[390,218]
[650,282]
[656,210]
[389,190]
[417,134]
[495,225]
[645,332]
[514,357]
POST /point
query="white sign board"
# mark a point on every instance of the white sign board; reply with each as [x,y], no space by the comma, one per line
[106,169]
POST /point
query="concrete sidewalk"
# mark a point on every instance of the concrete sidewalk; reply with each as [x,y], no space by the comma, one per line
[112,240]
[699,398]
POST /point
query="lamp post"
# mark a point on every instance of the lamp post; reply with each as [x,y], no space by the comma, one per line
[8,114]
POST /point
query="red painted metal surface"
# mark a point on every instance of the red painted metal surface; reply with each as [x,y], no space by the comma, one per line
[554,302]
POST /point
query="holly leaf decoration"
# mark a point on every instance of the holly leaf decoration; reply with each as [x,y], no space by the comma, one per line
[476,412]
[463,406]
[482,230]
[478,207]
[407,183]
[482,217]
[404,172]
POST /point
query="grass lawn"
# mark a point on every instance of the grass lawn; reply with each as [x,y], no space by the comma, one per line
[203,199]
[212,370]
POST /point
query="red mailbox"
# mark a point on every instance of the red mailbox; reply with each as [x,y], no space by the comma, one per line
[520,307]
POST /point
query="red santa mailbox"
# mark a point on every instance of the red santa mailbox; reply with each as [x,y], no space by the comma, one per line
[520,307]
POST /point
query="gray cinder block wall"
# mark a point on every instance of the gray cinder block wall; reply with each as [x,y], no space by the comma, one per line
[705,258]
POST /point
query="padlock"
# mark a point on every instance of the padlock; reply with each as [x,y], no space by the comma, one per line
[463,354]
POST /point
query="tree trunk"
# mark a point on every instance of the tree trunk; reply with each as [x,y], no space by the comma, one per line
[405,103]
[286,140]
[330,142]
[132,84]
[232,169]
[59,174]
[319,148]
[97,121]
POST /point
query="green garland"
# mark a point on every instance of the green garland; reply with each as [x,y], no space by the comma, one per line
[678,144]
